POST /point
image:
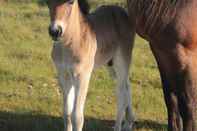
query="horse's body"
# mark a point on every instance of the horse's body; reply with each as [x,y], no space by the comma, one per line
[171,28]
[84,42]
[108,28]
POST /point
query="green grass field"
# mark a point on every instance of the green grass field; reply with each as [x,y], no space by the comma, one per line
[29,96]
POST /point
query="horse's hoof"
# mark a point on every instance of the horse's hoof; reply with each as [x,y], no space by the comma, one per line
[127,126]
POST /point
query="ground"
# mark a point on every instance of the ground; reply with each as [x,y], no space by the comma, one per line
[29,95]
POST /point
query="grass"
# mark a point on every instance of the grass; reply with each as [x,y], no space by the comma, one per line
[29,96]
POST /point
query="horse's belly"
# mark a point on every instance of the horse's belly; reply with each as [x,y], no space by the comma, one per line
[104,54]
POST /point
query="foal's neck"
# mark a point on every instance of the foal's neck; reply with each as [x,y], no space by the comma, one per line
[77,26]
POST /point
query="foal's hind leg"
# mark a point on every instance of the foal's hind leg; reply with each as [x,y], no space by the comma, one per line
[121,68]
[129,117]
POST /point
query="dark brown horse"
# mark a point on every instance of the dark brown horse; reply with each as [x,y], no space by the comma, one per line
[170,26]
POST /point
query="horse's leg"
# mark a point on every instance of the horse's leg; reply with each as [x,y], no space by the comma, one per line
[166,67]
[171,99]
[81,82]
[186,80]
[68,98]
[129,112]
[66,84]
[178,79]
[121,68]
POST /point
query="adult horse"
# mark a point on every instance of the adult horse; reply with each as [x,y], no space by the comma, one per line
[170,26]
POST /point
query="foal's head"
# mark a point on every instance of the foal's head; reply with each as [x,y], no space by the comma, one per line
[60,12]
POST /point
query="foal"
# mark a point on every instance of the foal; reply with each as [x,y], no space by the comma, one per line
[83,42]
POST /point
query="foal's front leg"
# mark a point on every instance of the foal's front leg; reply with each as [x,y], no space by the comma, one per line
[75,87]
[68,98]
[81,82]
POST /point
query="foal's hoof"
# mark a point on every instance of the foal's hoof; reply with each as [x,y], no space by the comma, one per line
[127,126]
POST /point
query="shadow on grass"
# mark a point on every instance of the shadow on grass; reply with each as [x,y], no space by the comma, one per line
[28,122]
[150,125]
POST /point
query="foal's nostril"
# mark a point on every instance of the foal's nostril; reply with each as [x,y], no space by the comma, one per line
[55,32]
[59,30]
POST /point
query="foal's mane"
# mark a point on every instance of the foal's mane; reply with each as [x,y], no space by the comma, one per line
[84,6]
[155,11]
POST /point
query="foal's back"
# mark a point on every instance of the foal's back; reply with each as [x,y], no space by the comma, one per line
[110,21]
[113,31]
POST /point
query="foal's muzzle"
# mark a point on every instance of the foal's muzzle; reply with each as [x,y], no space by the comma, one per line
[55,32]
